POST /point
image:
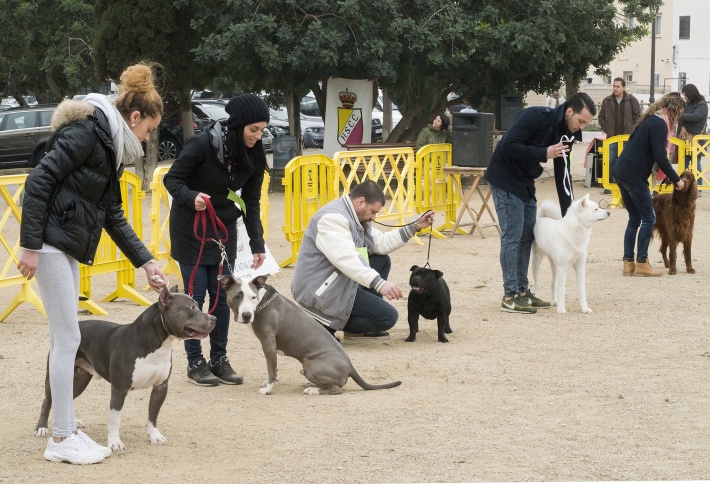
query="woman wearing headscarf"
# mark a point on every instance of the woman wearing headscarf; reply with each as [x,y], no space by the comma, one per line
[435,133]
[223,159]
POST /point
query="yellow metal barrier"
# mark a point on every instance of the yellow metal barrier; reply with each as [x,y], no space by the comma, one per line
[309,183]
[393,167]
[109,259]
[700,148]
[433,189]
[160,219]
[11,188]
[681,147]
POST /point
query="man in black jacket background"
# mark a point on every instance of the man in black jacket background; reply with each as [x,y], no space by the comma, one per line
[536,135]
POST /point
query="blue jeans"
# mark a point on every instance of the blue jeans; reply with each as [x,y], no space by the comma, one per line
[370,312]
[637,200]
[517,221]
[206,283]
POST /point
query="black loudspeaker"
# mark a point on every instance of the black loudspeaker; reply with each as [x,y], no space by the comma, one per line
[472,139]
[507,108]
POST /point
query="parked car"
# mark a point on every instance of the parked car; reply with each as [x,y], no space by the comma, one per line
[170,130]
[312,128]
[24,132]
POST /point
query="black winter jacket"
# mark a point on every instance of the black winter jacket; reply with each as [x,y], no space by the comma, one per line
[646,146]
[515,163]
[200,168]
[73,193]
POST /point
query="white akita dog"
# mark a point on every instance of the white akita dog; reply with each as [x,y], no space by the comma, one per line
[564,242]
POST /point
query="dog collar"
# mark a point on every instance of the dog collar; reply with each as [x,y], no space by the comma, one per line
[262,305]
[162,320]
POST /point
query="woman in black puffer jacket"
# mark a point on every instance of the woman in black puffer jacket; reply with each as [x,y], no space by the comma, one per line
[70,196]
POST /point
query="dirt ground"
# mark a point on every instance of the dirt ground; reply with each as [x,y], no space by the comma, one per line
[619,394]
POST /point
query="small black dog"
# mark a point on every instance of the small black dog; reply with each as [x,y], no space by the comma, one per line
[431,298]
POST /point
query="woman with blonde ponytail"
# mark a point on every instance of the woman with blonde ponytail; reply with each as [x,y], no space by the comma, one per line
[648,145]
[70,196]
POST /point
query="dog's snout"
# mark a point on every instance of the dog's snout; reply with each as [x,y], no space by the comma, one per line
[213,319]
[246,316]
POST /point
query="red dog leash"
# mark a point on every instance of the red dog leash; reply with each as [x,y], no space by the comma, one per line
[217,225]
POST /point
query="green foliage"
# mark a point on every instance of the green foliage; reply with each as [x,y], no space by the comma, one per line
[421,50]
[45,47]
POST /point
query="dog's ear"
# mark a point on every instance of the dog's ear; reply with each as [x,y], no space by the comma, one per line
[226,280]
[438,274]
[174,289]
[259,281]
[414,267]
[164,297]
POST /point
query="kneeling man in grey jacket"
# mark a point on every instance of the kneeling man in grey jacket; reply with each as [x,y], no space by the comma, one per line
[342,267]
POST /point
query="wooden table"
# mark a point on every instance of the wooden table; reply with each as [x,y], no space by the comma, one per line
[477,174]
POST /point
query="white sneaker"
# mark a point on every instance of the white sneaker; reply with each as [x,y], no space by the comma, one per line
[106,451]
[73,450]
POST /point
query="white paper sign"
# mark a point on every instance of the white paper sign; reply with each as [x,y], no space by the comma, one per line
[242,265]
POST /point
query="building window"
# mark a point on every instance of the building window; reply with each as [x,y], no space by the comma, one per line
[681,81]
[629,76]
[658,25]
[631,22]
[657,79]
[684,27]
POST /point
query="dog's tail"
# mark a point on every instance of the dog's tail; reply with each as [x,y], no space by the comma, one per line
[366,386]
[549,209]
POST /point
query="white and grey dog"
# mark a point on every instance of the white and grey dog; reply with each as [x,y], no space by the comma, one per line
[564,241]
[282,326]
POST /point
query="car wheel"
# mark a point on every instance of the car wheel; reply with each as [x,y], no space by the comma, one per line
[168,149]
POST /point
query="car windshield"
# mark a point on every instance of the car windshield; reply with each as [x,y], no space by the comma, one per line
[215,111]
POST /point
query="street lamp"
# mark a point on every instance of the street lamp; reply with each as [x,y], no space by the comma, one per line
[651,99]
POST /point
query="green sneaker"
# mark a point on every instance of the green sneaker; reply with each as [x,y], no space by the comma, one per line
[516,305]
[535,301]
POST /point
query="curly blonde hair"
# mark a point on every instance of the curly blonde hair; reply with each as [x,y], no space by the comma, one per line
[138,93]
[672,102]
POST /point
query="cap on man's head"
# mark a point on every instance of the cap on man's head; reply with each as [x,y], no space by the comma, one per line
[247,109]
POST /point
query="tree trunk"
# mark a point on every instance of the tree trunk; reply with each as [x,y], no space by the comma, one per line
[386,114]
[293,108]
[146,166]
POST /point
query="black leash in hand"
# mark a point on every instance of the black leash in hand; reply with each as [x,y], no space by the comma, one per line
[430,232]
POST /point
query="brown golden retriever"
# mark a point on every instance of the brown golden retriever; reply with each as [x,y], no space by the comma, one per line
[675,218]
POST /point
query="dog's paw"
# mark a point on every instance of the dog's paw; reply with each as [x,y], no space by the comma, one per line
[443,339]
[448,331]
[42,432]
[314,390]
[116,445]
[561,310]
[79,423]
[156,438]
[587,310]
[411,338]
[266,388]
[690,270]
[672,272]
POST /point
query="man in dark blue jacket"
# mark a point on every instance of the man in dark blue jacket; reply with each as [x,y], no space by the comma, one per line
[537,134]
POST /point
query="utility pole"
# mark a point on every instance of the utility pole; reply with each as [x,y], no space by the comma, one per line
[651,99]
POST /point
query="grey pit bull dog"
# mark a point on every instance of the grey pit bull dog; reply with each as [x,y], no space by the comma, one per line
[281,325]
[133,356]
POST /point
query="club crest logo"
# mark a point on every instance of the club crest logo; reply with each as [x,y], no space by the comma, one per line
[350,123]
